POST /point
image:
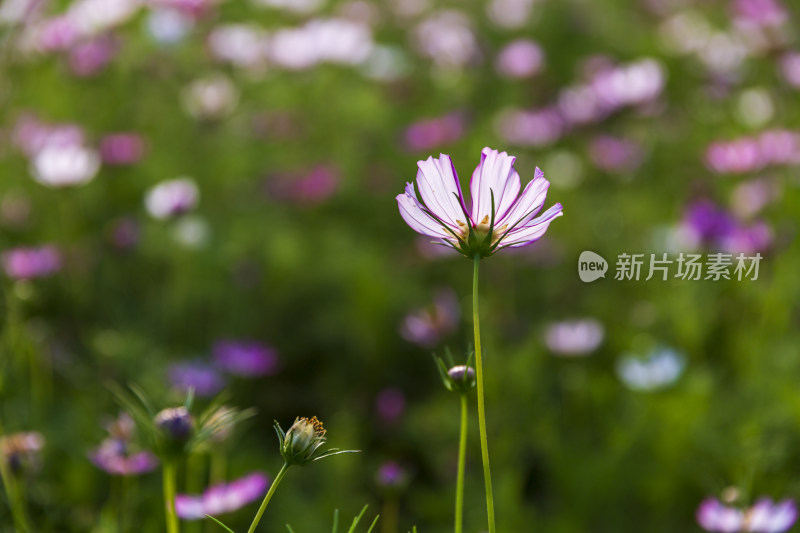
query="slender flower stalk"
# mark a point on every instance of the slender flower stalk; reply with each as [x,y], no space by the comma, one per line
[487,472]
[169,497]
[268,497]
[462,458]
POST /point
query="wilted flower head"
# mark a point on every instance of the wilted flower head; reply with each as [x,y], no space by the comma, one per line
[202,378]
[21,449]
[499,216]
[171,198]
[574,337]
[245,358]
[427,326]
[65,165]
[175,424]
[31,263]
[222,498]
[657,370]
[763,517]
[300,445]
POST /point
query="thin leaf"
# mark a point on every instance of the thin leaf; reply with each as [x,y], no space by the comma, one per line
[335,520]
[333,452]
[289,528]
[357,519]
[373,524]
[226,528]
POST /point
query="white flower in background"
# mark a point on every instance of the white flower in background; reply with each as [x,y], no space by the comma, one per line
[321,40]
[300,7]
[574,337]
[65,165]
[657,370]
[510,14]
[168,26]
[243,45]
[447,38]
[386,63]
[191,232]
[96,16]
[210,98]
[171,198]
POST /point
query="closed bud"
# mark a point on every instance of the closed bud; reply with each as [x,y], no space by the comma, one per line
[461,378]
[175,424]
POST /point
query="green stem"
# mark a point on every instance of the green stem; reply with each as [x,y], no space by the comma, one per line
[389,515]
[462,458]
[487,473]
[169,496]
[268,497]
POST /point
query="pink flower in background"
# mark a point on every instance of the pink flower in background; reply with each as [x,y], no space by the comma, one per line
[31,263]
[246,358]
[436,132]
[748,154]
[222,498]
[32,135]
[447,38]
[750,197]
[763,517]
[90,57]
[540,127]
[426,327]
[498,217]
[522,58]
[761,13]
[790,68]
[171,198]
[121,148]
[117,454]
[574,337]
[614,154]
[391,476]
[125,233]
[390,404]
[311,188]
[56,34]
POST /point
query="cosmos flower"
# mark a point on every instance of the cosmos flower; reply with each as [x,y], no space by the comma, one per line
[31,263]
[245,358]
[426,327]
[519,59]
[657,370]
[763,517]
[498,217]
[171,198]
[222,498]
[574,337]
[64,166]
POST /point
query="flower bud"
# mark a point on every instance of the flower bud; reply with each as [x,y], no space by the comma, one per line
[175,423]
[300,445]
[461,378]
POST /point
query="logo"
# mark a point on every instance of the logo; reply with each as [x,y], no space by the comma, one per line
[591,266]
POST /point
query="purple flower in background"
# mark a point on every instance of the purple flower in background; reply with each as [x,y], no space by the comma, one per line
[708,223]
[90,57]
[432,133]
[763,517]
[531,128]
[203,378]
[31,263]
[391,477]
[499,216]
[756,237]
[390,404]
[121,148]
[614,154]
[426,327]
[574,337]
[790,68]
[742,155]
[246,358]
[222,498]
[56,34]
[519,59]
[171,198]
[125,233]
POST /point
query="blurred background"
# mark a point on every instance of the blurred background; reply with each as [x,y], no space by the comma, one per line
[202,193]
